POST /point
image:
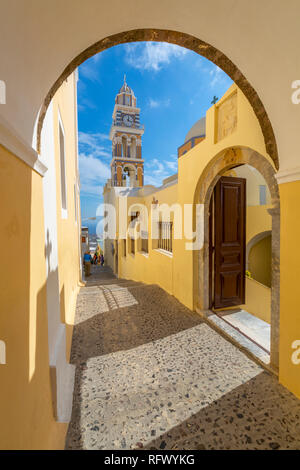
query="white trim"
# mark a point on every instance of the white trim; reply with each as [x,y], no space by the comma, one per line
[130,130]
[124,160]
[288,176]
[2,352]
[12,141]
[164,252]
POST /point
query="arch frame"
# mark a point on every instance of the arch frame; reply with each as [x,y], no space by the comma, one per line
[226,160]
[132,172]
[181,39]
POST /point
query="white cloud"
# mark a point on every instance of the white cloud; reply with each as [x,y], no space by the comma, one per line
[172,165]
[93,143]
[157,170]
[152,103]
[217,76]
[93,174]
[152,55]
[93,171]
[89,70]
[85,103]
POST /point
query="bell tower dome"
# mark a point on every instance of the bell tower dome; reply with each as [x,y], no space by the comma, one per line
[127,166]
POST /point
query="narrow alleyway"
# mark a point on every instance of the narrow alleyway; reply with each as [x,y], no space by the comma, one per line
[150,374]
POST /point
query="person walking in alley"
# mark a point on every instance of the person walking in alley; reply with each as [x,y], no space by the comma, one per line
[102,260]
[87,263]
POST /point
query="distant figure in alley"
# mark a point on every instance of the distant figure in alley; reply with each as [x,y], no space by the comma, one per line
[87,263]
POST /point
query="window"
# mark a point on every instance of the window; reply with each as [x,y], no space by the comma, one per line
[133,216]
[124,147]
[124,247]
[165,236]
[133,148]
[144,241]
[63,185]
[132,246]
[262,195]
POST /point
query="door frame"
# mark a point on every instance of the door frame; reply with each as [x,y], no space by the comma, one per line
[222,162]
[213,230]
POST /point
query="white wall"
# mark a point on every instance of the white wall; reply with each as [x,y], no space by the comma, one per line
[56,330]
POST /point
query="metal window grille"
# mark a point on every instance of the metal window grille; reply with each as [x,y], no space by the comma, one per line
[165,236]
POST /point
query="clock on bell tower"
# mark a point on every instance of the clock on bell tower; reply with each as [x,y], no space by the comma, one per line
[127,165]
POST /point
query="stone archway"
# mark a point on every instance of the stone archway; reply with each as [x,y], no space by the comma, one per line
[217,166]
[180,39]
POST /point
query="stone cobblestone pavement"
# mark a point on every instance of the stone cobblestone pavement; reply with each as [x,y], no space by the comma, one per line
[150,374]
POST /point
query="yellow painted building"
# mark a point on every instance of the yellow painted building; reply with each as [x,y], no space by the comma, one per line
[40,48]
[232,144]
[40,281]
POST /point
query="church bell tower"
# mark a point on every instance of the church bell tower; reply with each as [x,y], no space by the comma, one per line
[127,165]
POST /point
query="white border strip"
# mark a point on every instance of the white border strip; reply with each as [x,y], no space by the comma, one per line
[288,176]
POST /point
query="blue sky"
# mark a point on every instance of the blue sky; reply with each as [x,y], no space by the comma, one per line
[174,88]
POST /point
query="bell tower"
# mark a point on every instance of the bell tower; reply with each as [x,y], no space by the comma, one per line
[127,165]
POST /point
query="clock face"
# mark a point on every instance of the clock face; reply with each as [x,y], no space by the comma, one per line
[128,120]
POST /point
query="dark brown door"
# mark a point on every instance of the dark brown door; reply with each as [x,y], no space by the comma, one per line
[229,242]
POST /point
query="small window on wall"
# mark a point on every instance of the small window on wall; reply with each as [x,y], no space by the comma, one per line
[144,241]
[262,195]
[165,236]
[63,185]
[132,246]
[124,247]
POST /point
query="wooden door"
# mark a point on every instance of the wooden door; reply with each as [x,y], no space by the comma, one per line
[229,242]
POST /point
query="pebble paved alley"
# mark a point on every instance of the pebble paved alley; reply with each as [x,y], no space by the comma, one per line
[150,374]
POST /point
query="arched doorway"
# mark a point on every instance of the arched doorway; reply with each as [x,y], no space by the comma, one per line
[181,39]
[226,160]
[129,176]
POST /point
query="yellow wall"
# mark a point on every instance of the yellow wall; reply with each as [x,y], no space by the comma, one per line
[260,259]
[26,408]
[190,168]
[25,396]
[258,221]
[289,373]
[156,267]
[179,268]
[67,228]
[258,300]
